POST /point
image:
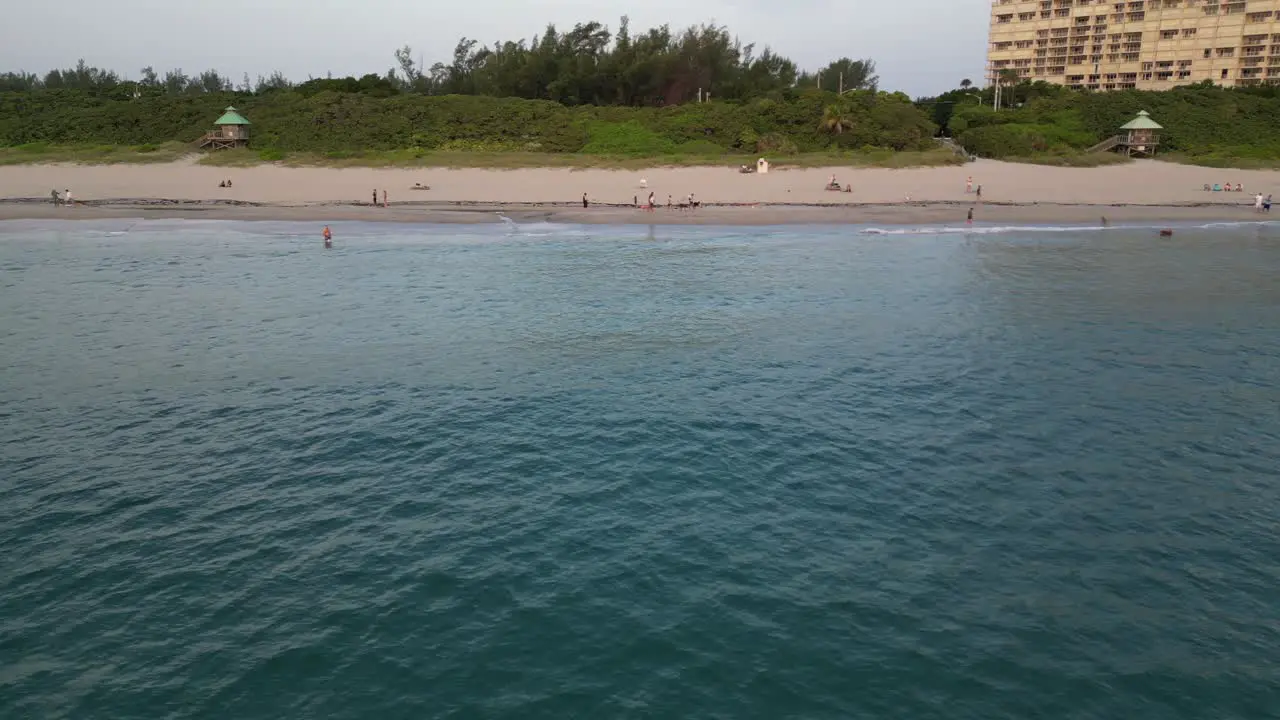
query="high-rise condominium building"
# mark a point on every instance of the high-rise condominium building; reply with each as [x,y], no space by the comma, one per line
[1147,44]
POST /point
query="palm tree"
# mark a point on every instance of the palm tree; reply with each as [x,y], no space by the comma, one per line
[966,83]
[835,119]
[1009,78]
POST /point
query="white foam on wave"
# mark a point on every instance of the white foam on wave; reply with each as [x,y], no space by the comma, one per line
[986,230]
[1029,229]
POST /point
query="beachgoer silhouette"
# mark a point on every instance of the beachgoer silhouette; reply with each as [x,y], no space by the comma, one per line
[970,219]
[328,237]
[375,197]
[54,194]
[584,200]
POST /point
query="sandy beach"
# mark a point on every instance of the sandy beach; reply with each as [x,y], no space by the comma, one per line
[1139,191]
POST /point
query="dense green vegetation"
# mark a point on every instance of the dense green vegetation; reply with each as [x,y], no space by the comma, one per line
[587,92]
[589,95]
[344,123]
[1203,124]
[587,65]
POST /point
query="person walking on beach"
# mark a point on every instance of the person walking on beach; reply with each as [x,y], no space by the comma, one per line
[1257,203]
[375,197]
[54,194]
[968,185]
[584,200]
[1266,203]
[66,198]
[979,193]
[969,221]
[650,200]
[385,204]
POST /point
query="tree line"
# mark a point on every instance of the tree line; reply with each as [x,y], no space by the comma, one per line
[586,65]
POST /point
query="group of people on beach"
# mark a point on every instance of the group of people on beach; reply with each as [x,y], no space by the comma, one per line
[1224,188]
[62,199]
[652,202]
[225,184]
[1262,204]
[384,198]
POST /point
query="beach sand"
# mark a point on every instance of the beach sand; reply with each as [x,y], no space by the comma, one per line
[1018,193]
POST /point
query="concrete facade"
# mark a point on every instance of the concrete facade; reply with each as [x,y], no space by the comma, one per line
[1145,44]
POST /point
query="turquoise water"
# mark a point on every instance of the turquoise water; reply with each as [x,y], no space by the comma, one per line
[551,472]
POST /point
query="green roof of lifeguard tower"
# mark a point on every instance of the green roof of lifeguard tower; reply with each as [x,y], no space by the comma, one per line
[231,117]
[1142,122]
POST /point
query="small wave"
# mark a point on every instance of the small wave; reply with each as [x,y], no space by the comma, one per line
[1007,229]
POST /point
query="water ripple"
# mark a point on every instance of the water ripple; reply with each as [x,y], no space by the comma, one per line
[717,473]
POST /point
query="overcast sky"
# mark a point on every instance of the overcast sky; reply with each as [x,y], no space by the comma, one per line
[920,46]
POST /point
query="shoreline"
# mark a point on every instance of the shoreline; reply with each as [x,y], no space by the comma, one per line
[464,212]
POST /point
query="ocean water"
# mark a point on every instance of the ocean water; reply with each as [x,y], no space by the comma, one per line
[554,472]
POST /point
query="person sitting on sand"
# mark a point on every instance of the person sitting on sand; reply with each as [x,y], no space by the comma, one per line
[228,182]
[222,184]
[1239,187]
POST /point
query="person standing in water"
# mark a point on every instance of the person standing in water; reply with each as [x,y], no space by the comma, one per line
[969,221]
[328,237]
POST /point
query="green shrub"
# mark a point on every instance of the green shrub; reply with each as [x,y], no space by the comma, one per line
[700,147]
[775,144]
[628,138]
